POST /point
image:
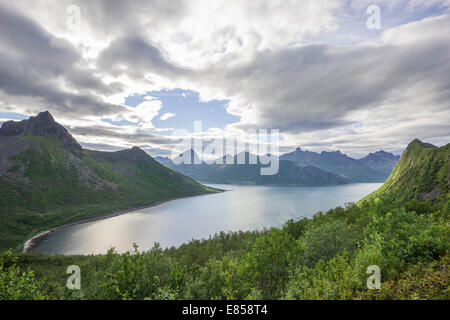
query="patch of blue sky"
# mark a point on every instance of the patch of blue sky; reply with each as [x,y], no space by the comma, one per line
[187,108]
[402,14]
[13,116]
[118,123]
[353,28]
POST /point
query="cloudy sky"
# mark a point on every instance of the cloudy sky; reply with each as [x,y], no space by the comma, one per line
[122,73]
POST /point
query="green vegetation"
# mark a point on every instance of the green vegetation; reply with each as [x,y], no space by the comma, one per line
[403,228]
[16,284]
[48,185]
[325,257]
[422,172]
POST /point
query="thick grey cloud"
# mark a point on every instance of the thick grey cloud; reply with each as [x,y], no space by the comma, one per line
[317,87]
[46,69]
[39,71]
[120,17]
[138,137]
[136,57]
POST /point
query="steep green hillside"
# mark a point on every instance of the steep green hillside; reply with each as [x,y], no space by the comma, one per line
[289,173]
[47,179]
[423,172]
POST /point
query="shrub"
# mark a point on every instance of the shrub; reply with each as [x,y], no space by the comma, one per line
[327,240]
[17,284]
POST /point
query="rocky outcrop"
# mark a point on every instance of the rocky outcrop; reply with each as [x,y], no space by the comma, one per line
[433,194]
[42,125]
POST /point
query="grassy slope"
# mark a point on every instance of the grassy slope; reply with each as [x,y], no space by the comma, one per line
[421,169]
[57,194]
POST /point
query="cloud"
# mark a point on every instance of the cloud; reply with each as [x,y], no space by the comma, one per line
[39,71]
[109,137]
[135,56]
[288,65]
[192,34]
[396,86]
[142,114]
[167,115]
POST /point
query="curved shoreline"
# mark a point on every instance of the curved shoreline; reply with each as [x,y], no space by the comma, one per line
[31,243]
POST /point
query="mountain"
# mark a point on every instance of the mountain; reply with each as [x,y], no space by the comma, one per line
[289,172]
[162,160]
[338,163]
[423,172]
[381,160]
[42,125]
[47,179]
[301,156]
[187,157]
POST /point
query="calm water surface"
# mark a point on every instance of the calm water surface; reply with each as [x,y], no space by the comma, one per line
[179,221]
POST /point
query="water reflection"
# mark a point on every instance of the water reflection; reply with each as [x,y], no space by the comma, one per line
[175,222]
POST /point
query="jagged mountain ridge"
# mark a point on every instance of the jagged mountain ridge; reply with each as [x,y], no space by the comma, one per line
[336,162]
[381,160]
[249,172]
[42,125]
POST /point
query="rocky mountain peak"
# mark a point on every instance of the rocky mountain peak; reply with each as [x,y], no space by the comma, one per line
[382,155]
[420,143]
[41,125]
[333,154]
[136,149]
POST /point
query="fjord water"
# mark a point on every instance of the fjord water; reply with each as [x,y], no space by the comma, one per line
[178,221]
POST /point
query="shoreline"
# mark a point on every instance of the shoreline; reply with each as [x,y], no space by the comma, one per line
[31,243]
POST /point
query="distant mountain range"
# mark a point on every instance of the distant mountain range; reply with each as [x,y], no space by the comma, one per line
[375,167]
[296,168]
[48,179]
[381,160]
[162,160]
[289,172]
